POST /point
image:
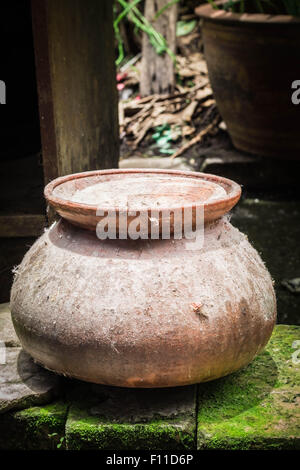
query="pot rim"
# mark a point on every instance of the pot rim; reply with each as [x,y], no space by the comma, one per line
[223,204]
[209,13]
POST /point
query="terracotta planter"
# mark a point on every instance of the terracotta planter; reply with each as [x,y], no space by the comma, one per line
[144,313]
[253,59]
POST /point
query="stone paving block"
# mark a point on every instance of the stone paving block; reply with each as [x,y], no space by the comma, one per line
[258,407]
[23,383]
[36,428]
[255,173]
[7,331]
[156,162]
[116,418]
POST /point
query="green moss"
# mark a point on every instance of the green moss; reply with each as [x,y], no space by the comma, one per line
[103,417]
[122,422]
[90,433]
[257,407]
[34,428]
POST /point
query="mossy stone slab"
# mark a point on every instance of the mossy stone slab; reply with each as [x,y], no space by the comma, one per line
[259,406]
[23,383]
[119,418]
[7,332]
[36,428]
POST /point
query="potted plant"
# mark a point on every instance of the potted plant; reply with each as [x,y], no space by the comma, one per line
[252,49]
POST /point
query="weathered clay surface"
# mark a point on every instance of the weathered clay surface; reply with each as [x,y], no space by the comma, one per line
[23,383]
[241,69]
[7,332]
[156,191]
[145,313]
[117,418]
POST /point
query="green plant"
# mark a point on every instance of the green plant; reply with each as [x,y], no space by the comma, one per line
[276,7]
[61,441]
[131,11]
[164,136]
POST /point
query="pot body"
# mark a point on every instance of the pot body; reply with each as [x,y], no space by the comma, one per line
[252,62]
[146,313]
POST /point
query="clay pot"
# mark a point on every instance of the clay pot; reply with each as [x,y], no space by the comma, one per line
[144,313]
[252,63]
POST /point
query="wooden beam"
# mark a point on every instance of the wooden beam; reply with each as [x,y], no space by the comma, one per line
[74,52]
[24,225]
[157,70]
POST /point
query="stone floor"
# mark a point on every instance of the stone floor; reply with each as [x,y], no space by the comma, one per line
[255,408]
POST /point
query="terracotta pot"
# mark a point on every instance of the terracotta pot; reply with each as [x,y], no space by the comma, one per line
[144,313]
[252,62]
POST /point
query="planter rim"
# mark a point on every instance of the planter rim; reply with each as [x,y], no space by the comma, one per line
[217,207]
[209,13]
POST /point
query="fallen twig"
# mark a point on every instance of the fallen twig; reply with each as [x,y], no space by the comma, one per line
[191,106]
[197,138]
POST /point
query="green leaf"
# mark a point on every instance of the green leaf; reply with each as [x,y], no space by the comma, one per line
[185,27]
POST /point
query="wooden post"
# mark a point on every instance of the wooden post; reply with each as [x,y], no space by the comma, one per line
[157,71]
[74,53]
